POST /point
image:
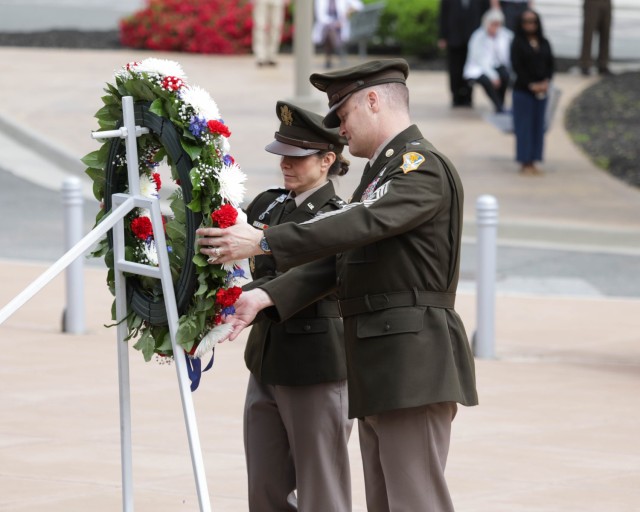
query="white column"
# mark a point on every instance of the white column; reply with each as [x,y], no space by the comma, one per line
[303,54]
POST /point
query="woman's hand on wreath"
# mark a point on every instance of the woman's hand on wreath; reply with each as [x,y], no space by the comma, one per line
[248,305]
[230,244]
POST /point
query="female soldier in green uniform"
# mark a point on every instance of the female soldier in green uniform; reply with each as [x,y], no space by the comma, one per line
[296,424]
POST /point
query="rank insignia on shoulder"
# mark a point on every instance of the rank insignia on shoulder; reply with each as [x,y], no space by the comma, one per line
[259,225]
[411,161]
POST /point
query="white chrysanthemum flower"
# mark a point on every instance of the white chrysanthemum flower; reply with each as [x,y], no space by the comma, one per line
[162,67]
[150,252]
[201,101]
[242,217]
[218,333]
[231,180]
[148,187]
[222,143]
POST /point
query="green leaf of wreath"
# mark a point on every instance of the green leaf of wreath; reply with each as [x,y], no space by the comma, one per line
[187,329]
[97,159]
[139,90]
[200,260]
[156,108]
[192,150]
[146,344]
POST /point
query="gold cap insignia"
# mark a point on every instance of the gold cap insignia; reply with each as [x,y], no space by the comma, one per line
[286,116]
[411,161]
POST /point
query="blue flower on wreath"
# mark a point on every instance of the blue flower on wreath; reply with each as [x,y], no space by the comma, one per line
[236,273]
[230,310]
[228,160]
[197,125]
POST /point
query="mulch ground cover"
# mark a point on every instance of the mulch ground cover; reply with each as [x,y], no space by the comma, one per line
[604,120]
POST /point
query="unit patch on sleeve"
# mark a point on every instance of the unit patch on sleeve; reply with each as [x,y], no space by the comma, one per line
[411,161]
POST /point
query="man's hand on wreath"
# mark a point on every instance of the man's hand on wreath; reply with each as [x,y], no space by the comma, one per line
[248,305]
[230,244]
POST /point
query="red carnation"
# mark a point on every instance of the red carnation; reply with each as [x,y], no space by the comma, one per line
[225,216]
[156,177]
[218,127]
[172,83]
[142,228]
[228,297]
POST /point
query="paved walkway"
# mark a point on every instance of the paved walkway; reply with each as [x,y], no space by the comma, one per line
[558,421]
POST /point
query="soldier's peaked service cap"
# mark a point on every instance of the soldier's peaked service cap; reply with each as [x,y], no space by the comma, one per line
[302,133]
[340,84]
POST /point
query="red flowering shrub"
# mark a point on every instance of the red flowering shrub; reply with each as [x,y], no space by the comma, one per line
[197,26]
[225,216]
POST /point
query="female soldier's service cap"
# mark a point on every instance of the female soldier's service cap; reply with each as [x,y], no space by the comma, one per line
[302,133]
[340,84]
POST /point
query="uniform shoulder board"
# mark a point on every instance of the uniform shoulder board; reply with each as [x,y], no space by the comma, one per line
[337,201]
[416,145]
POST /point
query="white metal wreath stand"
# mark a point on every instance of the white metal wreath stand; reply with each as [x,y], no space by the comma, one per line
[122,205]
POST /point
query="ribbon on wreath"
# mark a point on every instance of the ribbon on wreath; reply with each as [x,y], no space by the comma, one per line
[194,369]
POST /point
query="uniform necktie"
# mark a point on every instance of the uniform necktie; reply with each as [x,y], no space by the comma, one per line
[289,206]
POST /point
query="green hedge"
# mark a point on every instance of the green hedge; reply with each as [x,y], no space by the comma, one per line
[408,26]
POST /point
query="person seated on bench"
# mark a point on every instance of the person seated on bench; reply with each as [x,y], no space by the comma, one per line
[488,58]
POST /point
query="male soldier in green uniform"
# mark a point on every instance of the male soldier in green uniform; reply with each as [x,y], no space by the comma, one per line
[392,255]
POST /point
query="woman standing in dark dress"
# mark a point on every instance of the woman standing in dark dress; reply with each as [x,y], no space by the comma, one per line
[532,63]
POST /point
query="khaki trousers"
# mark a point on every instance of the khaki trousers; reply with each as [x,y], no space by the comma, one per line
[404,454]
[597,18]
[268,18]
[296,440]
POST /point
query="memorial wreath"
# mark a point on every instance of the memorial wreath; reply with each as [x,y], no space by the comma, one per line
[185,131]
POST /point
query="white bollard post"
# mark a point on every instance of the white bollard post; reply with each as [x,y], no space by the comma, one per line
[73,321]
[487,227]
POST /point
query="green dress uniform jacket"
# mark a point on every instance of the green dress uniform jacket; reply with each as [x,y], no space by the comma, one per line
[395,269]
[308,348]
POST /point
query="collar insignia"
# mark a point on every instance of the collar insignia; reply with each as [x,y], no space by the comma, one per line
[411,161]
